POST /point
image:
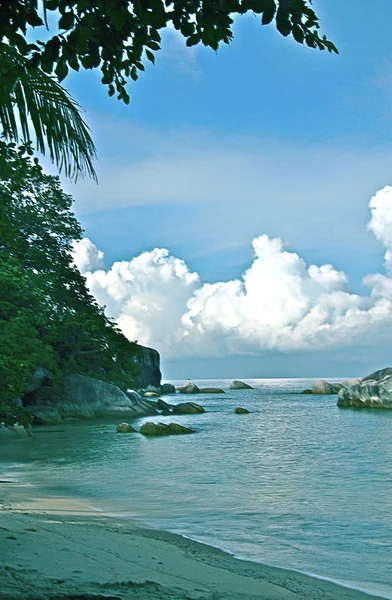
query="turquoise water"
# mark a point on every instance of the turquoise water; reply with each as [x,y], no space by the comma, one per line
[298,483]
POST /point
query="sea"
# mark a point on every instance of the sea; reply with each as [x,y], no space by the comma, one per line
[298,483]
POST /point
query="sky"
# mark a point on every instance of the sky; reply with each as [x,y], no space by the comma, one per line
[241,223]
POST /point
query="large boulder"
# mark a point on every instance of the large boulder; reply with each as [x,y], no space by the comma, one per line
[150,372]
[240,385]
[374,391]
[88,398]
[188,388]
[167,388]
[155,429]
[188,408]
[45,415]
[211,391]
[324,388]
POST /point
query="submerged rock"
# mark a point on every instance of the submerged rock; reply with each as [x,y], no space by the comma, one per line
[157,429]
[211,391]
[374,391]
[189,388]
[125,428]
[241,411]
[188,408]
[240,385]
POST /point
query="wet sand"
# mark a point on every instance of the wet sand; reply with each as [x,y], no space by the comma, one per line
[56,548]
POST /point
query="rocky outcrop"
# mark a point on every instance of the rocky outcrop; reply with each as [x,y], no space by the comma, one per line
[188,408]
[167,388]
[241,411]
[373,391]
[324,388]
[189,388]
[150,372]
[125,428]
[211,391]
[240,385]
[156,429]
[87,398]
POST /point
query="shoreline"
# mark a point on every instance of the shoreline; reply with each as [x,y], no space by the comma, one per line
[55,547]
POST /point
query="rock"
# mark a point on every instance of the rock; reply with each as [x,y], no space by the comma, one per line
[188,408]
[176,429]
[40,378]
[189,388]
[240,385]
[211,391]
[150,394]
[150,372]
[152,388]
[14,431]
[150,428]
[167,388]
[241,411]
[324,388]
[348,382]
[125,428]
[306,392]
[374,391]
[87,398]
[45,415]
[162,405]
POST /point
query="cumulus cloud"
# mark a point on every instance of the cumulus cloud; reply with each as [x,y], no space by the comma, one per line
[280,303]
[86,256]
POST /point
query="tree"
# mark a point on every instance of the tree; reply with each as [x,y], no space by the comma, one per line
[115,35]
[48,318]
[31,99]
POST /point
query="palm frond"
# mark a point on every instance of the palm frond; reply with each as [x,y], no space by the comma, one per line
[30,99]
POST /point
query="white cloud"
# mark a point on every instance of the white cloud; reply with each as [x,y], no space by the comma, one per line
[280,303]
[381,221]
[86,256]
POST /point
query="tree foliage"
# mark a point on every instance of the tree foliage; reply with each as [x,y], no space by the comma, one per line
[31,100]
[115,35]
[48,318]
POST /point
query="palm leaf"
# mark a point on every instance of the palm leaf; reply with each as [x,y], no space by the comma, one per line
[30,99]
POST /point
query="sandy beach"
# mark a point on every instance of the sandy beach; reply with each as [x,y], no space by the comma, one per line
[56,548]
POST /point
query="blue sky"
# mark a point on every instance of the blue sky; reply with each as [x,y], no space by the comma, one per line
[263,137]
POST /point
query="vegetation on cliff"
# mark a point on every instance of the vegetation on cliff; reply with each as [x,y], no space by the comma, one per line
[48,318]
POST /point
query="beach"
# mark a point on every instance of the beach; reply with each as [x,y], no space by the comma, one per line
[53,547]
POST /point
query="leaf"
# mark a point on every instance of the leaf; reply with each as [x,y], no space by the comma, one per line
[62,69]
[134,74]
[34,19]
[298,34]
[150,56]
[67,21]
[269,12]
[283,23]
[193,40]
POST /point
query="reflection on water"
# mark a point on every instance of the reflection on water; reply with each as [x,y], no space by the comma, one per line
[297,483]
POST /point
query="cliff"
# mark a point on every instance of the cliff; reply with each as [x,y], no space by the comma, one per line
[150,372]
